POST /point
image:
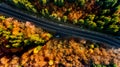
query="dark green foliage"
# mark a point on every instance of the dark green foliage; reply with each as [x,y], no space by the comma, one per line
[107,19]
[71,1]
[108,23]
[115,20]
[43,2]
[103,65]
[99,3]
[105,11]
[59,3]
[107,3]
[92,25]
[81,21]
[117,8]
[98,65]
[64,19]
[89,23]
[75,21]
[45,12]
[81,3]
[2,17]
[113,28]
[100,23]
[24,4]
[114,65]
[15,41]
[91,17]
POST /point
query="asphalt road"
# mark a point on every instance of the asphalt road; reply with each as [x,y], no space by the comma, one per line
[59,28]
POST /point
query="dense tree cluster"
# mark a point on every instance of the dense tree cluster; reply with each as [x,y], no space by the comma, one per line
[43,50]
[98,15]
[15,34]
